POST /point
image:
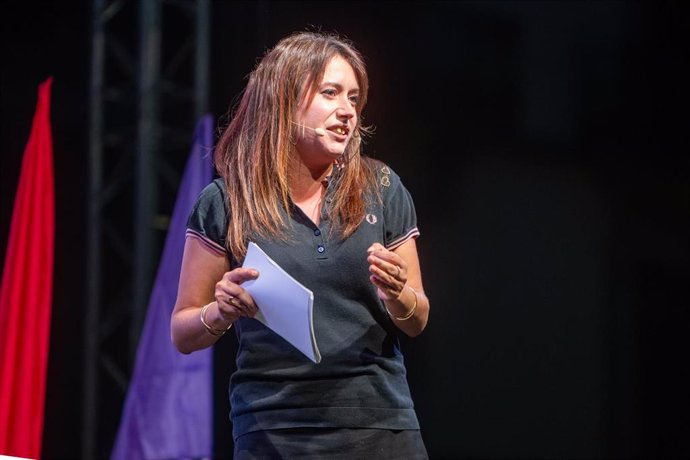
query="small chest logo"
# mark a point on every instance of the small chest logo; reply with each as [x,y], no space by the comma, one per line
[371,219]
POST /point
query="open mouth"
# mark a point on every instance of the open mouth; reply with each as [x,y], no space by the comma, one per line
[341,130]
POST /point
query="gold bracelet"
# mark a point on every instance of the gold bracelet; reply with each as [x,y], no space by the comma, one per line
[209,329]
[411,312]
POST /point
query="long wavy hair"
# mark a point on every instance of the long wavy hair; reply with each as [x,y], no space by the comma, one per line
[253,153]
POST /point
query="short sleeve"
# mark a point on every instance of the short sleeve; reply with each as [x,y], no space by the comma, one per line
[208,220]
[400,217]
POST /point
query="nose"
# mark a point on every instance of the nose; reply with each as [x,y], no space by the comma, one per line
[346,110]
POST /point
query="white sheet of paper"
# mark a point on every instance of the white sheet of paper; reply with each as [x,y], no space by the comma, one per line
[285,305]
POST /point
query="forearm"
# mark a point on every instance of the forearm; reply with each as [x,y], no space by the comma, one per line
[189,334]
[410,311]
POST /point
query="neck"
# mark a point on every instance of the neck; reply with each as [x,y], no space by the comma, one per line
[307,182]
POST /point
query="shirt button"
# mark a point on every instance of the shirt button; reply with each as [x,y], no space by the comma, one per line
[317,232]
[320,248]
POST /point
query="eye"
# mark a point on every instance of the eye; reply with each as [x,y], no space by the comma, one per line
[329,92]
[354,99]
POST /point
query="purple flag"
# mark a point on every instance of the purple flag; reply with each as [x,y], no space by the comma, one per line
[168,411]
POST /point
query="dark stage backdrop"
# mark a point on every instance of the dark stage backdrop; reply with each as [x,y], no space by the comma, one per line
[543,144]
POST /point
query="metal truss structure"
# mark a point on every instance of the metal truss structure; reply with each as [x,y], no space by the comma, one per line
[149,86]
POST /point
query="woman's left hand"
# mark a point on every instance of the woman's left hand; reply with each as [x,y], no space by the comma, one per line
[388,271]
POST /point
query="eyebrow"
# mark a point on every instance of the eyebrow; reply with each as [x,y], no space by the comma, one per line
[339,86]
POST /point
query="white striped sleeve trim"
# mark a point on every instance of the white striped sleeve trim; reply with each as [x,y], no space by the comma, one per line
[212,245]
[411,233]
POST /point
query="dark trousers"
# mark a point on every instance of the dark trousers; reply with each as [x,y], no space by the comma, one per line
[330,443]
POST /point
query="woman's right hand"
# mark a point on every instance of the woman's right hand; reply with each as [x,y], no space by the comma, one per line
[225,300]
[233,300]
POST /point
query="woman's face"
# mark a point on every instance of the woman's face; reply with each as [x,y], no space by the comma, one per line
[326,124]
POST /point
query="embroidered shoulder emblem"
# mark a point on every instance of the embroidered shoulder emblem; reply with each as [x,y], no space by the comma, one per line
[385,178]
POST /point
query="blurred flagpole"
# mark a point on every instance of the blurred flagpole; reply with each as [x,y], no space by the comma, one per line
[168,411]
[26,292]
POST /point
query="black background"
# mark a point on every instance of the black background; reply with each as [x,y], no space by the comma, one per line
[543,144]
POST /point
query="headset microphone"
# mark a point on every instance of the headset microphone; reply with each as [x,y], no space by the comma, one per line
[318,131]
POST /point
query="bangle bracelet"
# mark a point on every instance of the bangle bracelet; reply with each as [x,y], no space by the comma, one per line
[411,312]
[209,329]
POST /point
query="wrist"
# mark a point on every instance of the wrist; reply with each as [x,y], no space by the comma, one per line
[410,311]
[216,327]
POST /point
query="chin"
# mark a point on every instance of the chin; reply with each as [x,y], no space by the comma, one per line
[338,151]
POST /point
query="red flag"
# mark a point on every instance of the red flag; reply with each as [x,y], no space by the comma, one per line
[26,293]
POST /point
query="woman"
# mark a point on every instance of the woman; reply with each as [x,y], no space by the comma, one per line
[294,182]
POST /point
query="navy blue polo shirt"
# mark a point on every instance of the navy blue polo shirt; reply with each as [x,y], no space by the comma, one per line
[361,380]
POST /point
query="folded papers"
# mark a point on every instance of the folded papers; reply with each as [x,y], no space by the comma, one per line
[285,305]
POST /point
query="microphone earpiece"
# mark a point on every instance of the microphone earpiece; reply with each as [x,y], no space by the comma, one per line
[318,131]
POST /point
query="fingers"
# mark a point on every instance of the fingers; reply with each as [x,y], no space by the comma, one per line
[388,270]
[390,265]
[234,301]
[240,275]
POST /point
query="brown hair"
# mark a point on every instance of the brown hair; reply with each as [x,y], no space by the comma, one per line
[253,153]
